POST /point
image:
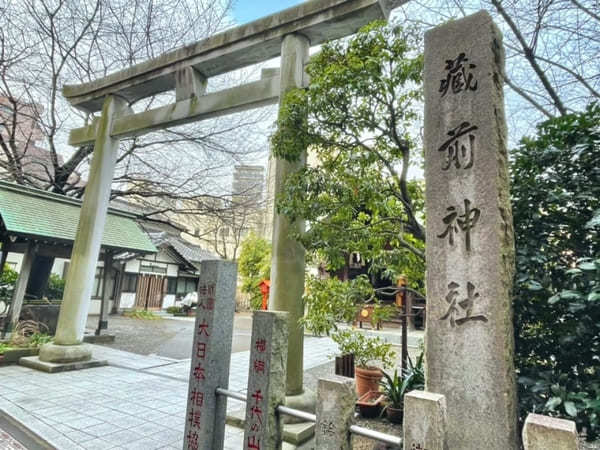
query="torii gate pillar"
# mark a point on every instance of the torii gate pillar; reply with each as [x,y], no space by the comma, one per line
[287,263]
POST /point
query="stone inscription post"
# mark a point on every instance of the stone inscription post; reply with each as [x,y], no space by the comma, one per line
[424,426]
[470,248]
[335,413]
[549,433]
[211,353]
[266,380]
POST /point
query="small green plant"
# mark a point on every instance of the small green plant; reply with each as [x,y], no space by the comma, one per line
[36,340]
[414,375]
[141,314]
[392,389]
[413,378]
[174,309]
[4,347]
[366,350]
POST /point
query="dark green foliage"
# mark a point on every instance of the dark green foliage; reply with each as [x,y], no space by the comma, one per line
[56,287]
[556,206]
[357,117]
[330,301]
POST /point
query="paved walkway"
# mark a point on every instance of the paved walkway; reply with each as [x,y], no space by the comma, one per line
[7,442]
[137,402]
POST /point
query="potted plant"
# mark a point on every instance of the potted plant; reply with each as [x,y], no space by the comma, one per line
[367,352]
[369,405]
[394,394]
[394,388]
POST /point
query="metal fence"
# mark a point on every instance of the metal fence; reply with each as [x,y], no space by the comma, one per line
[388,439]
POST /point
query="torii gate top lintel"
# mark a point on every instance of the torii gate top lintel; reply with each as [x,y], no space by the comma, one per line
[318,20]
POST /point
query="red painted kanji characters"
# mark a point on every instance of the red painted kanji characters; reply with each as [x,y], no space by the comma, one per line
[253,443]
[203,328]
[205,290]
[207,304]
[259,366]
[199,373]
[197,398]
[192,440]
[194,418]
[261,345]
[257,396]
[256,411]
[201,350]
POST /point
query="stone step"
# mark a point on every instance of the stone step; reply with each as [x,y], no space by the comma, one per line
[294,434]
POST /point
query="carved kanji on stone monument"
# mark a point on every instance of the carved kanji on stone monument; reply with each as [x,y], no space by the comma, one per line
[459,149]
[470,249]
[458,77]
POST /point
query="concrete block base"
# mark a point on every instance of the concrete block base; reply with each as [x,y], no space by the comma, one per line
[294,434]
[34,362]
[298,433]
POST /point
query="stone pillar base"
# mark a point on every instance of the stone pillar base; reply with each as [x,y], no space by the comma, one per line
[307,401]
[62,354]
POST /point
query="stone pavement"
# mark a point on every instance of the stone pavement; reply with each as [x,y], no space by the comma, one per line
[137,402]
[7,442]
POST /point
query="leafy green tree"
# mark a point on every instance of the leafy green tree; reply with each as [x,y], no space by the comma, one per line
[357,117]
[7,282]
[254,265]
[556,206]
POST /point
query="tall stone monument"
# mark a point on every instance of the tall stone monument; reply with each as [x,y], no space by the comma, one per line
[211,353]
[470,247]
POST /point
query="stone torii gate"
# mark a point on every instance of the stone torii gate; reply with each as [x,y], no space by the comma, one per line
[186,71]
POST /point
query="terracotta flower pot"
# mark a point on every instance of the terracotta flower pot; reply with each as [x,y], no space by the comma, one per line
[367,380]
[369,405]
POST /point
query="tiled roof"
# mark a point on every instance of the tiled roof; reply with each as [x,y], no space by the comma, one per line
[39,214]
[191,253]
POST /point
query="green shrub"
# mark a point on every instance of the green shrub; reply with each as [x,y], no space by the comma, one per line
[556,206]
[56,287]
[366,350]
[174,309]
[36,340]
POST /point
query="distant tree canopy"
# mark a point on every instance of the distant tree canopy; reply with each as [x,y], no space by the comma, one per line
[556,207]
